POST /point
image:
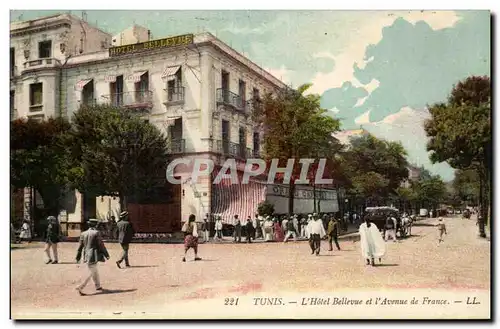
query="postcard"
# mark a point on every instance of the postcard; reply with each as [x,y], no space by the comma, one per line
[250,165]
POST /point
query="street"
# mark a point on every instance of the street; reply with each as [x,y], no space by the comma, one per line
[158,284]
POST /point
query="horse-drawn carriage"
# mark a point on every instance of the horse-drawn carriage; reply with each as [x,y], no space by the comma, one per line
[379,216]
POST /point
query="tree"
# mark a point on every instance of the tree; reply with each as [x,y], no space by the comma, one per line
[119,153]
[376,167]
[295,127]
[459,133]
[466,185]
[430,191]
[39,159]
[265,209]
[406,195]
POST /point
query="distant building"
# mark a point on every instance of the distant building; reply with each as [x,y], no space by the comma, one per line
[413,175]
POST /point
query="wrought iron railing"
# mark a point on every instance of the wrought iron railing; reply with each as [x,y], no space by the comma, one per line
[229,98]
[175,94]
[48,62]
[137,99]
[231,149]
[177,146]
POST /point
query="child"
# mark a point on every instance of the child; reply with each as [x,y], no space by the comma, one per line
[442,229]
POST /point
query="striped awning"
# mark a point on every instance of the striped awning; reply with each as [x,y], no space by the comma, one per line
[136,77]
[169,72]
[171,120]
[110,78]
[80,84]
[237,199]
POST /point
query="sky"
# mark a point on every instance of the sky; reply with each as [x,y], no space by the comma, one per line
[378,70]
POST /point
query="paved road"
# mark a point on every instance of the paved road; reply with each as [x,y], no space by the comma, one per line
[159,281]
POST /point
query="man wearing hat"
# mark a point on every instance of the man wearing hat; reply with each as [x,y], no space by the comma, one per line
[125,235]
[51,237]
[94,251]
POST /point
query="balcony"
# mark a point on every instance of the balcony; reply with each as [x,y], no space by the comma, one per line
[232,149]
[230,99]
[177,146]
[140,100]
[175,96]
[255,154]
[41,63]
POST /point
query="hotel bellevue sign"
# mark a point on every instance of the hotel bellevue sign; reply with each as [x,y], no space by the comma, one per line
[181,40]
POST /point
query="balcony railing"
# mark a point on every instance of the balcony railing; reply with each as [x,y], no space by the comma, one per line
[131,99]
[255,154]
[41,62]
[231,149]
[175,95]
[177,146]
[88,102]
[231,99]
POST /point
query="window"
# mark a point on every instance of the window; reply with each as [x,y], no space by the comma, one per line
[36,96]
[225,80]
[116,91]
[256,101]
[45,49]
[256,94]
[142,88]
[175,89]
[12,61]
[243,141]
[242,86]
[88,93]
[256,143]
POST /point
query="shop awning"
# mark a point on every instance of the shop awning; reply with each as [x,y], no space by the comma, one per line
[80,84]
[170,72]
[136,77]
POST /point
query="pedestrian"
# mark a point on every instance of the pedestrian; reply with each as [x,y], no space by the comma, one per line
[113,228]
[125,236]
[94,251]
[25,234]
[284,225]
[249,229]
[372,243]
[218,228]
[315,232]
[190,230]
[52,237]
[442,229]
[256,227]
[332,232]
[296,224]
[205,228]
[390,228]
[268,229]
[303,226]
[278,231]
[237,229]
[291,231]
[13,238]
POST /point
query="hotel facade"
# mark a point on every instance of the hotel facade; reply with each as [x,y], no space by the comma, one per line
[196,89]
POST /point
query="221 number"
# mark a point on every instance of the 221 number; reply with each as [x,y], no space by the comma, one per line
[231,301]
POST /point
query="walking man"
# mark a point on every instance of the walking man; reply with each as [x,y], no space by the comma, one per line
[237,229]
[442,229]
[125,235]
[94,251]
[249,230]
[315,232]
[290,231]
[190,230]
[256,227]
[205,228]
[390,228]
[332,232]
[52,238]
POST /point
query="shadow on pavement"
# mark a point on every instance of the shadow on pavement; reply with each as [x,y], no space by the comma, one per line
[141,266]
[423,224]
[64,263]
[386,265]
[111,291]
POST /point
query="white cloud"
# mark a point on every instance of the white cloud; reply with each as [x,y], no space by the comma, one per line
[407,126]
[363,119]
[282,73]
[371,33]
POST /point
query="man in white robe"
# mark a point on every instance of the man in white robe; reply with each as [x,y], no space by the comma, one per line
[315,232]
[372,243]
[268,229]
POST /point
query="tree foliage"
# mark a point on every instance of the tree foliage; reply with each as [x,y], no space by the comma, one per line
[117,153]
[466,185]
[376,167]
[295,126]
[460,133]
[39,158]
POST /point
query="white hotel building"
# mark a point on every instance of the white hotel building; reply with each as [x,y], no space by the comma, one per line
[196,89]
